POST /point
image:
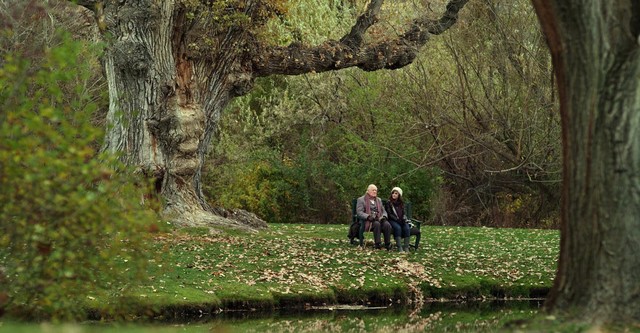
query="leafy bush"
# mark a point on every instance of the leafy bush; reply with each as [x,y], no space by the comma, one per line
[277,156]
[71,223]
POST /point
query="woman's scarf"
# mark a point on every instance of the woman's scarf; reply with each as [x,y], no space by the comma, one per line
[398,209]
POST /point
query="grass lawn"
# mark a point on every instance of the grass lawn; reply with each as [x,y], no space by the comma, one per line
[302,265]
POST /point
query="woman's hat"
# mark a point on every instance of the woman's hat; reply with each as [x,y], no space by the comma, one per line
[396,189]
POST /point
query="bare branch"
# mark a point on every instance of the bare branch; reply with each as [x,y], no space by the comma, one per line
[447,20]
[366,20]
[348,52]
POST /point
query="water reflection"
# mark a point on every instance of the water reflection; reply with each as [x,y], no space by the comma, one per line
[486,316]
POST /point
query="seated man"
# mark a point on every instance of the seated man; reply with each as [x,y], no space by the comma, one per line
[373,217]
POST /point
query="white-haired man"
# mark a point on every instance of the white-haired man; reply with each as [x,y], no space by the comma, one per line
[373,217]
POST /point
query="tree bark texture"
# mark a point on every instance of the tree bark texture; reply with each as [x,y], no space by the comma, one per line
[595,48]
[163,106]
[172,69]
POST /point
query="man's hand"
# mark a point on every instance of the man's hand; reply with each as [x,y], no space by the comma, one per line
[370,218]
[383,219]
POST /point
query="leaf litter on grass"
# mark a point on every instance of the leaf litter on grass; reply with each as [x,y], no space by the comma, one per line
[315,258]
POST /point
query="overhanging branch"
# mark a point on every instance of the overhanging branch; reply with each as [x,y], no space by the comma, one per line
[349,52]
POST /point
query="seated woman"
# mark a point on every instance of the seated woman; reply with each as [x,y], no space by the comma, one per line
[399,221]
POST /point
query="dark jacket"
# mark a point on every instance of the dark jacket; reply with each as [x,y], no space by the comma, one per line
[394,210]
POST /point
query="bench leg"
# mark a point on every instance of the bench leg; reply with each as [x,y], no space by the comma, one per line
[415,247]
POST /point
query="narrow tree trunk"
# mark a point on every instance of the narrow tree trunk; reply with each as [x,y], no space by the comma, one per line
[163,107]
[596,54]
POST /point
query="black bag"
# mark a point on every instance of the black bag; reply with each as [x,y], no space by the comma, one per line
[354,231]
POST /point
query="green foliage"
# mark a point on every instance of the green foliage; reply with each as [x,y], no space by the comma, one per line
[300,148]
[291,159]
[210,20]
[72,225]
[256,187]
[311,22]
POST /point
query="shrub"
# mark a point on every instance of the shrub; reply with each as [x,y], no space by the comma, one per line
[71,223]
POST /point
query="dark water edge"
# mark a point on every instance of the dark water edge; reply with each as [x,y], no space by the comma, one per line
[428,307]
[469,316]
[452,316]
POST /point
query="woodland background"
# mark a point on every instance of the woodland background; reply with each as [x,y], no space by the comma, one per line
[470,131]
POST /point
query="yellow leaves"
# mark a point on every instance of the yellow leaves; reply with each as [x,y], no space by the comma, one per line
[217,273]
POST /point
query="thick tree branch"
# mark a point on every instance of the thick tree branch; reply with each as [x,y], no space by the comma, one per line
[348,52]
[89,4]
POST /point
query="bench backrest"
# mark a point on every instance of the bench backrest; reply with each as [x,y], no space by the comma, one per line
[354,214]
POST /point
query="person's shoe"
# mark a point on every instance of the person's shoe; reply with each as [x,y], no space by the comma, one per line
[387,246]
[377,246]
[399,244]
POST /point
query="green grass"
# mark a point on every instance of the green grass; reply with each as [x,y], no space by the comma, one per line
[290,267]
[295,265]
[298,265]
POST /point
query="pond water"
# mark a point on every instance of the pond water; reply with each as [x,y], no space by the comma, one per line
[486,316]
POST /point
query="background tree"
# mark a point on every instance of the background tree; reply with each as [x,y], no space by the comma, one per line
[493,122]
[173,66]
[596,56]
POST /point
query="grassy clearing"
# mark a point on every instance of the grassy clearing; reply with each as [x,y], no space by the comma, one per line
[292,265]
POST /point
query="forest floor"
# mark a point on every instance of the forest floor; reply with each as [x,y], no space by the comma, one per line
[304,266]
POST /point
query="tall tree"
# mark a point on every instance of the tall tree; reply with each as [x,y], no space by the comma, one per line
[172,66]
[595,47]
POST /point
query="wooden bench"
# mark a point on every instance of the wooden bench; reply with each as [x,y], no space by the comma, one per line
[355,221]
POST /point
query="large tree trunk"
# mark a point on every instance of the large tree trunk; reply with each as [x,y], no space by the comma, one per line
[163,107]
[596,54]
